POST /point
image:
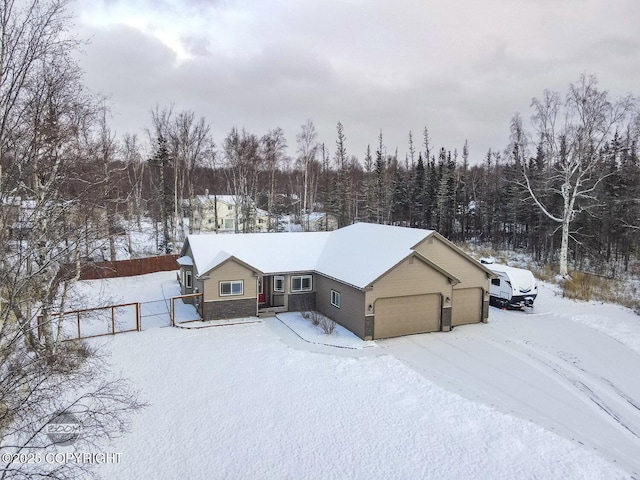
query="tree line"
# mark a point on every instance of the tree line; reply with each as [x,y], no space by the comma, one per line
[566,191]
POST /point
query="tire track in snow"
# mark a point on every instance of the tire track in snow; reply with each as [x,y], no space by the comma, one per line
[579,379]
[594,397]
[621,393]
[532,381]
[494,395]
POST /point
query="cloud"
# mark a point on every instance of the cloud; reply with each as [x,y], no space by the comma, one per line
[461,68]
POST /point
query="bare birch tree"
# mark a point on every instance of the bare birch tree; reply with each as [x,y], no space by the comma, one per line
[571,132]
[45,119]
[191,144]
[243,162]
[307,151]
[274,146]
[135,174]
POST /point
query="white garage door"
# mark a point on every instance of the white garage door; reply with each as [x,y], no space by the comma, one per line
[398,316]
[466,306]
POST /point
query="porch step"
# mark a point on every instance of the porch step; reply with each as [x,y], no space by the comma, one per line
[270,311]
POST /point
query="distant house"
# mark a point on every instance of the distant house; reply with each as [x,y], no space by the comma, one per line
[225,214]
[319,222]
[378,281]
[20,215]
[313,222]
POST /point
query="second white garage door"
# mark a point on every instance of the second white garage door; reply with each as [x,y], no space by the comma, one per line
[398,316]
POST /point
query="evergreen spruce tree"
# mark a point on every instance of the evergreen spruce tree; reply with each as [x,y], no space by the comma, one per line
[368,188]
[341,197]
[327,190]
[161,161]
[430,203]
[410,169]
[463,195]
[418,196]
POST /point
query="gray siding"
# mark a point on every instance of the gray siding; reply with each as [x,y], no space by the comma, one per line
[351,313]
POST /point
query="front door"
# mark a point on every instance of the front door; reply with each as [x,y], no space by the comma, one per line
[260,289]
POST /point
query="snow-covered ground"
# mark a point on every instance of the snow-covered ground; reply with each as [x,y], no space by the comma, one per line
[554,393]
[313,334]
[152,293]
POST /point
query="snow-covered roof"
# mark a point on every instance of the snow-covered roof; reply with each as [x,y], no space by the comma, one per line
[360,253]
[267,252]
[229,199]
[185,261]
[520,277]
[357,254]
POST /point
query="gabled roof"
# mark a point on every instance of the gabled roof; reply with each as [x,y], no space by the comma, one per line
[356,255]
[462,253]
[224,257]
[452,279]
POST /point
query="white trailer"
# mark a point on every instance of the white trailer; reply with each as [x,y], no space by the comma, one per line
[514,287]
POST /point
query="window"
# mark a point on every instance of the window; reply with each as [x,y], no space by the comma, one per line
[335,298]
[495,281]
[228,223]
[260,290]
[235,287]
[278,284]
[301,283]
[188,276]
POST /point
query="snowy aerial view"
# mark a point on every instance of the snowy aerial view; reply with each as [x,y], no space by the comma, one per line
[552,392]
[319,240]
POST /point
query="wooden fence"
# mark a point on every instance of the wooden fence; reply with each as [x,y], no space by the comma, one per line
[127,268]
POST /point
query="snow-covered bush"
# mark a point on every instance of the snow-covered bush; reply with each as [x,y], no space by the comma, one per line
[315,318]
[327,325]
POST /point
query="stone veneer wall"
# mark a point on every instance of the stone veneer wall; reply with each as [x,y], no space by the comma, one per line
[245,307]
[445,319]
[300,302]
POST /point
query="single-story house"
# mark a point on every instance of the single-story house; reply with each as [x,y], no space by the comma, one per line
[378,281]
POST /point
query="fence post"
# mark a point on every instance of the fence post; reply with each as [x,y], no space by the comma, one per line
[173,309]
[78,315]
[138,316]
[113,321]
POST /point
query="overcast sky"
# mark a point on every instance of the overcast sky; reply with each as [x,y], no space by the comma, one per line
[462,68]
